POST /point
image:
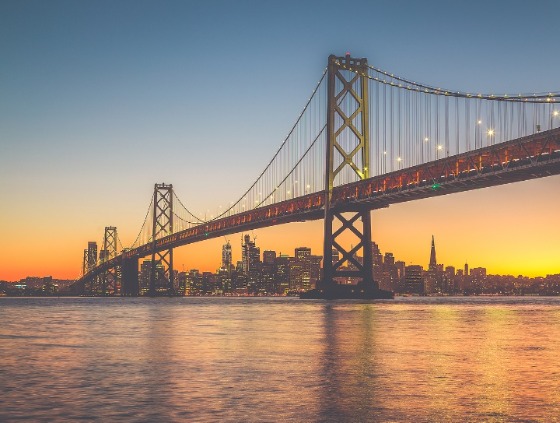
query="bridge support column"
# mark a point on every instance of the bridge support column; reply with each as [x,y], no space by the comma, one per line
[162,274]
[347,158]
[130,285]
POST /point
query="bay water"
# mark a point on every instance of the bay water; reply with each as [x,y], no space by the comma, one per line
[209,359]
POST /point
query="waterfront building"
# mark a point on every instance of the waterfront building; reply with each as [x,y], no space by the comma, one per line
[282,274]
[398,276]
[194,282]
[268,273]
[449,280]
[314,270]
[390,272]
[144,280]
[302,268]
[478,280]
[414,280]
[377,262]
[182,284]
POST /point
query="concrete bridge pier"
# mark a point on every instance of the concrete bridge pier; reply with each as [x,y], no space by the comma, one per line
[130,285]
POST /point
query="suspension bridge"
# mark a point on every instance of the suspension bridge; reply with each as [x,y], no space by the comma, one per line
[365,139]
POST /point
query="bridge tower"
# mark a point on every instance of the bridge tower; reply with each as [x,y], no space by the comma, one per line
[110,277]
[162,261]
[91,263]
[347,156]
[85,269]
[85,262]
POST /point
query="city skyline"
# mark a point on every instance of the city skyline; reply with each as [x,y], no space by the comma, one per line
[94,104]
[237,256]
[269,273]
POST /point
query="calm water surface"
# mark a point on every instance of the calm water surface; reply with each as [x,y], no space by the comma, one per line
[269,360]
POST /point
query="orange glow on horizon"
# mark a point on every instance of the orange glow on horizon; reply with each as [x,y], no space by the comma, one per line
[508,230]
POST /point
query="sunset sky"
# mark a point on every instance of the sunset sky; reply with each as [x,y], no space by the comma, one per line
[99,100]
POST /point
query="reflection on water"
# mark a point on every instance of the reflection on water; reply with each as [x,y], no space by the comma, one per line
[236,359]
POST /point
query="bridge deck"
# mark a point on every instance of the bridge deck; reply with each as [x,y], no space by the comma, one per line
[530,157]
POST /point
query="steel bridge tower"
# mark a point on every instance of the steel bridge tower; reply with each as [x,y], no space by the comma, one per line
[85,266]
[91,263]
[347,154]
[162,261]
[110,278]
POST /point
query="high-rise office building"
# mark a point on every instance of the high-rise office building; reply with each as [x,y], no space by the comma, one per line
[282,274]
[250,254]
[377,263]
[449,280]
[414,281]
[478,279]
[269,257]
[314,270]
[302,253]
[145,271]
[390,276]
[300,269]
[251,258]
[268,273]
[226,256]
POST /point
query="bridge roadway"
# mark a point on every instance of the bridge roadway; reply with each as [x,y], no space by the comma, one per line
[530,157]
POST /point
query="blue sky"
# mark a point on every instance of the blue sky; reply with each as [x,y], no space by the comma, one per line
[101,99]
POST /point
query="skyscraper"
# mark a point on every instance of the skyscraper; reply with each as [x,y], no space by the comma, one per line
[250,254]
[145,270]
[282,274]
[434,275]
[226,256]
[433,261]
[300,269]
[251,259]
[268,273]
